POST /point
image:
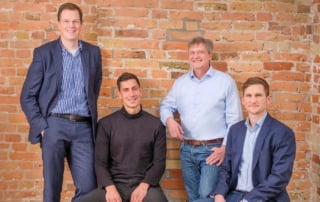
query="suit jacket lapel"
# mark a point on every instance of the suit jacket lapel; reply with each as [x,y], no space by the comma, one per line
[85,65]
[260,139]
[240,140]
[57,62]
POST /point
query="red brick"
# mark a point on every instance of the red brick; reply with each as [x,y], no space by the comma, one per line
[240,46]
[316,159]
[288,76]
[264,17]
[131,33]
[135,3]
[291,57]
[239,37]
[216,25]
[175,46]
[176,35]
[278,65]
[130,22]
[238,16]
[132,12]
[129,54]
[173,4]
[190,15]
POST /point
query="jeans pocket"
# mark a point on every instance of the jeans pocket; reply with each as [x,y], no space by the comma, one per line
[209,147]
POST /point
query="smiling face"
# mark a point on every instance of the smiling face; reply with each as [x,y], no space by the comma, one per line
[255,100]
[199,57]
[69,25]
[130,94]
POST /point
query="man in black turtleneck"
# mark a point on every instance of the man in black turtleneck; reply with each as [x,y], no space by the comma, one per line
[130,151]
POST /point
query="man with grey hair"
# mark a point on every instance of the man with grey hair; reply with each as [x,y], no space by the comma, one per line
[208,103]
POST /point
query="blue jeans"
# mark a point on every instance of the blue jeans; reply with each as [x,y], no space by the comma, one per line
[233,196]
[199,177]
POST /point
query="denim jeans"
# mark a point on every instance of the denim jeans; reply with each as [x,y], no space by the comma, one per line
[199,177]
[233,196]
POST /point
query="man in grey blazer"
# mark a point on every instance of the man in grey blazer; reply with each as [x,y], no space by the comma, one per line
[59,99]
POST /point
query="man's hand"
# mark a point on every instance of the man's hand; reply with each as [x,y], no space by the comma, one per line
[175,129]
[219,198]
[112,194]
[140,192]
[217,155]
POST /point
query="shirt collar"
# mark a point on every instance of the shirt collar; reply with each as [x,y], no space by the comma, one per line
[80,46]
[258,124]
[209,73]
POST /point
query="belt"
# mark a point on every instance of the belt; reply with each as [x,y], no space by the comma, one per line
[72,117]
[242,192]
[202,142]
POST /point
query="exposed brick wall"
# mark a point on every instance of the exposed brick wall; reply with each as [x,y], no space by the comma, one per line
[314,137]
[278,40]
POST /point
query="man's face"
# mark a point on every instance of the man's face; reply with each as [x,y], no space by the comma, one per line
[255,100]
[69,25]
[130,93]
[199,57]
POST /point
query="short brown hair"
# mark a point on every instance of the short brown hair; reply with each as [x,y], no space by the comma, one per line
[125,77]
[200,40]
[69,6]
[256,80]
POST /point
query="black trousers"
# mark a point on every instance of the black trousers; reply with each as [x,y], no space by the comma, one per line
[155,194]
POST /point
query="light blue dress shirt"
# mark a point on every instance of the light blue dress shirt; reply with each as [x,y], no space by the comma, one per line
[72,97]
[207,107]
[245,171]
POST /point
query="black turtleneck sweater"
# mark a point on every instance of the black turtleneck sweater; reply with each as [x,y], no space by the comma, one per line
[130,147]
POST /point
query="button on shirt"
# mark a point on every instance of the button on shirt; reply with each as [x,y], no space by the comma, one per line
[207,106]
[72,96]
[245,171]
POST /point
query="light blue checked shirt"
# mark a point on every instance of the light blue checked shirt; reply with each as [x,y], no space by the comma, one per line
[207,107]
[72,97]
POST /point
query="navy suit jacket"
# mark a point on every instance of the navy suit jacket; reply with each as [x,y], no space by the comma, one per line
[273,160]
[42,84]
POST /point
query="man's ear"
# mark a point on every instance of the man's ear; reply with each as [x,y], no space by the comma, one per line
[269,99]
[118,93]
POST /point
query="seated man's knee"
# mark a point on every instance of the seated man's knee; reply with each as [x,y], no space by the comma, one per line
[97,195]
[155,194]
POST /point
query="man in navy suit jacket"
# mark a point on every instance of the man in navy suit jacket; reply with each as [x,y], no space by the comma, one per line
[260,153]
[59,99]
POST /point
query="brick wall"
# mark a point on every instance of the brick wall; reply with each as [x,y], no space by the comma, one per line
[314,137]
[278,40]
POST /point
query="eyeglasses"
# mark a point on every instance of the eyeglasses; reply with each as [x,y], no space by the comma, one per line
[73,22]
